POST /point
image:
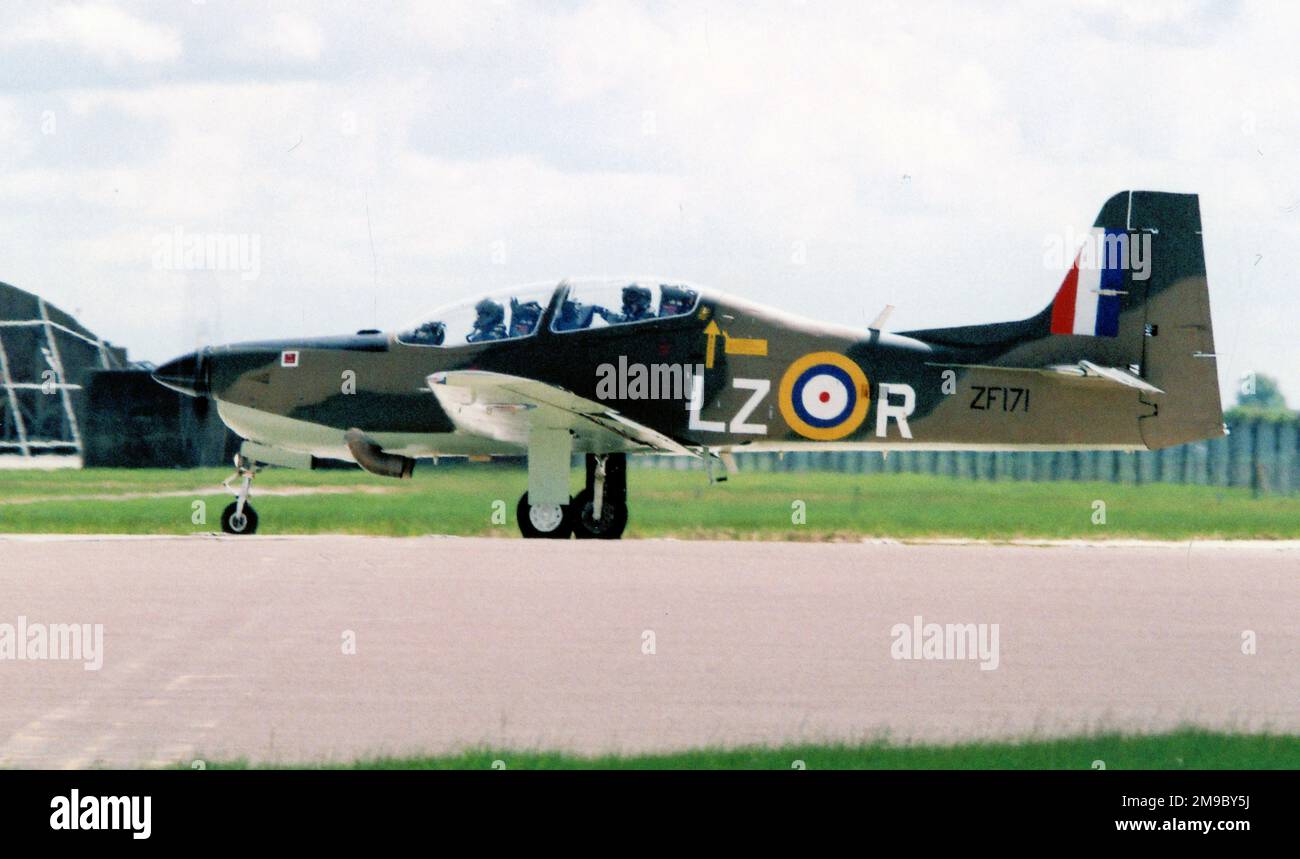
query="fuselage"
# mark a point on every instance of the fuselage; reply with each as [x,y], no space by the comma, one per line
[727,375]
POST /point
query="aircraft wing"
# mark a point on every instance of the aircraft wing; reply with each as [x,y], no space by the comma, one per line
[501,406]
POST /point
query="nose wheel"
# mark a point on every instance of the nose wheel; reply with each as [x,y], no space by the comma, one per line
[239,517]
[235,521]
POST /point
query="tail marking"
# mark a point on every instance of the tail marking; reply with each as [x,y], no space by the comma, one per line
[1088,301]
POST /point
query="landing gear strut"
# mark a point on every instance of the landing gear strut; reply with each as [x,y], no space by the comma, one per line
[239,517]
[600,510]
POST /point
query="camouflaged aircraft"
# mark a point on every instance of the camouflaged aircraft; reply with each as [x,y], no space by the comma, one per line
[1121,359]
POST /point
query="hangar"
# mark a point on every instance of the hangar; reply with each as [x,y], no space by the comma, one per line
[70,398]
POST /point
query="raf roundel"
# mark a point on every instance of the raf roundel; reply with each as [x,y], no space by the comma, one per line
[824,396]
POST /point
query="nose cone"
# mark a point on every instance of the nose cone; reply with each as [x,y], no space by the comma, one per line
[187,374]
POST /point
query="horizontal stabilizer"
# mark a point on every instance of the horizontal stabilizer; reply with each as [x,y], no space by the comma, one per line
[1113,374]
[1082,370]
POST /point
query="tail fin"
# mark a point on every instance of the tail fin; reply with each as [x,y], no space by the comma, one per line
[1136,300]
[1178,349]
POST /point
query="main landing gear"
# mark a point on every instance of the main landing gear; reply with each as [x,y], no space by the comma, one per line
[598,512]
[239,517]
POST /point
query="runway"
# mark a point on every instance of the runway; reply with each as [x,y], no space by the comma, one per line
[217,648]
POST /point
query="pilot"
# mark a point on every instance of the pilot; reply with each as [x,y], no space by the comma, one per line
[488,324]
[430,333]
[574,316]
[636,306]
[675,300]
[523,317]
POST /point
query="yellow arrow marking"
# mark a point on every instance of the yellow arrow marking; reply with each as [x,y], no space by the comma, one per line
[744,345]
[731,345]
[711,331]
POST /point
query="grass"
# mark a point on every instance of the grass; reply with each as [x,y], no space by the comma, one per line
[461,500]
[30,483]
[1184,749]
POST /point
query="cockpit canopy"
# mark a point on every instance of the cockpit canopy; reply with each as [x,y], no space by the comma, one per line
[588,304]
[500,316]
[600,304]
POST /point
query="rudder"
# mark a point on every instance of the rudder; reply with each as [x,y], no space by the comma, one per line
[1178,347]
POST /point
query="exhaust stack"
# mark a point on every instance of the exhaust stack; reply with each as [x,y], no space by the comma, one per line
[372,458]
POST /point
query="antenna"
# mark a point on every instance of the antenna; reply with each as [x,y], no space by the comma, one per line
[882,317]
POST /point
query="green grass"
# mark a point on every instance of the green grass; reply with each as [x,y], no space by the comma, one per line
[16,483]
[1185,749]
[459,500]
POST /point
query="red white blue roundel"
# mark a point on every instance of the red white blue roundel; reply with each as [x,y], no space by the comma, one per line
[824,396]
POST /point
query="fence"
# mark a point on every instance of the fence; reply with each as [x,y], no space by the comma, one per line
[1261,455]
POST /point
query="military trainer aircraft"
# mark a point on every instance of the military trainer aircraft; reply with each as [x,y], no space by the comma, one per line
[1121,359]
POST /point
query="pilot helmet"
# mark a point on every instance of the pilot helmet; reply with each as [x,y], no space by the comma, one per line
[523,317]
[636,299]
[432,332]
[675,299]
[490,314]
[569,311]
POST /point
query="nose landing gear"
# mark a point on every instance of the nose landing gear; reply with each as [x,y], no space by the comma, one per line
[239,517]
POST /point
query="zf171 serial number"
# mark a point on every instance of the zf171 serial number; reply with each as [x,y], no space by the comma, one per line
[1004,399]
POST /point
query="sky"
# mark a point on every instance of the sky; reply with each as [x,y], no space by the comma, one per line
[368,161]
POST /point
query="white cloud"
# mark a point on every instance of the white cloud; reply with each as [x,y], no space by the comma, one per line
[284,37]
[454,26]
[696,142]
[104,32]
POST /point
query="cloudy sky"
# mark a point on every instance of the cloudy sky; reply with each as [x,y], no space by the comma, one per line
[826,158]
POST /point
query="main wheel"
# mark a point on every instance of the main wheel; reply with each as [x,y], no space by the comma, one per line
[549,521]
[244,523]
[613,517]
